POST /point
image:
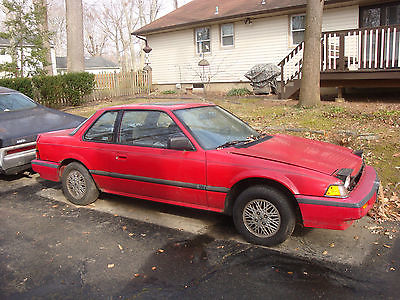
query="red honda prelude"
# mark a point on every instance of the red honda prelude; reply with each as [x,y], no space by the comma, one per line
[201,156]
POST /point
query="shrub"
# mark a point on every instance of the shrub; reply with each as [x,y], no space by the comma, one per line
[23,85]
[239,92]
[168,92]
[76,86]
[48,90]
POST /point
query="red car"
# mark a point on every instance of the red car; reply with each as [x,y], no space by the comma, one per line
[201,156]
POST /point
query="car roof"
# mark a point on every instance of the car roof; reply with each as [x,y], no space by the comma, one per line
[4,90]
[166,106]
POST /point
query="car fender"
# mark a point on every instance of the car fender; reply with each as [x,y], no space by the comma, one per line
[271,175]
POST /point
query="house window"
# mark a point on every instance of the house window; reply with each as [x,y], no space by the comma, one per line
[227,35]
[380,15]
[203,44]
[298,27]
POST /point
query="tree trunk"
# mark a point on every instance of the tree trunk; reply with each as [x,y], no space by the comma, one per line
[75,56]
[310,91]
[175,4]
[42,4]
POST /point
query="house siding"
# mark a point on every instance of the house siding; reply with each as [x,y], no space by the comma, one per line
[267,40]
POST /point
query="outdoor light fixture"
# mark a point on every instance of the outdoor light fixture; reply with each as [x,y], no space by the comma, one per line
[248,21]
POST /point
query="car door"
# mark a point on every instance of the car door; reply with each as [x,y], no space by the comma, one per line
[145,167]
[98,149]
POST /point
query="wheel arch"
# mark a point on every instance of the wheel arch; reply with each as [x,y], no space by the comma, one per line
[67,161]
[242,185]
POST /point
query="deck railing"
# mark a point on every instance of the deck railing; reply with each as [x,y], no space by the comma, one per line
[361,49]
[355,50]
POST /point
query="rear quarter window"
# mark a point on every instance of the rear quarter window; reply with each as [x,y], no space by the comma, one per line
[102,129]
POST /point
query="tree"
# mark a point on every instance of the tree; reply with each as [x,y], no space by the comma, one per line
[57,25]
[41,7]
[95,40]
[310,92]
[27,37]
[75,48]
[175,2]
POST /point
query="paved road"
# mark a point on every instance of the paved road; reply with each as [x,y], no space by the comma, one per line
[128,248]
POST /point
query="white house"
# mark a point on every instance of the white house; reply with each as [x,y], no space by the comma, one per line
[4,58]
[95,65]
[234,35]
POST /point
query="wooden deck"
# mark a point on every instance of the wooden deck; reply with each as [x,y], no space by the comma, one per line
[366,57]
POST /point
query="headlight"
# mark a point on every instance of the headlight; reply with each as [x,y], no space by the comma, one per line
[336,190]
[347,182]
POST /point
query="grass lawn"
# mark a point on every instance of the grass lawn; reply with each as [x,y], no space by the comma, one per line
[372,127]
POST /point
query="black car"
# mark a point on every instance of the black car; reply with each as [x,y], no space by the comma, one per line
[21,120]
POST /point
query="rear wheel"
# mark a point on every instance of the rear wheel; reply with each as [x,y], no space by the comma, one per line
[263,215]
[78,185]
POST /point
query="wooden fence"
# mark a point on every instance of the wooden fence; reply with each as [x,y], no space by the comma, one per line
[121,84]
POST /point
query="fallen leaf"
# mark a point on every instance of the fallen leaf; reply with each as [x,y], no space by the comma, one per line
[396,154]
[392,269]
[130,234]
[290,273]
[136,275]
[123,227]
[55,206]
[161,250]
[220,247]
[154,268]
[332,245]
[356,237]
[386,246]
[120,247]
[110,266]
[325,252]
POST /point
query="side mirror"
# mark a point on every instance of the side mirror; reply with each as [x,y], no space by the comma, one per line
[180,143]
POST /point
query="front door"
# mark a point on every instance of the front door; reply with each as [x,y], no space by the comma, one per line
[145,167]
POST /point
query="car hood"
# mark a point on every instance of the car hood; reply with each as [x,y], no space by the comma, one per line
[314,155]
[18,127]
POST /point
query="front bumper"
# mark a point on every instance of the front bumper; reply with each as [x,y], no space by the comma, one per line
[16,162]
[335,213]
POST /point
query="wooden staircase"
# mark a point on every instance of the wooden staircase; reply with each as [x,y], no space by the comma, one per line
[291,67]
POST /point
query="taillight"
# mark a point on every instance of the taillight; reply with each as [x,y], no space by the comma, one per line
[17,150]
[37,152]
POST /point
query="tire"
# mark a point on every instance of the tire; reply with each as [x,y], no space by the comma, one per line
[78,185]
[270,229]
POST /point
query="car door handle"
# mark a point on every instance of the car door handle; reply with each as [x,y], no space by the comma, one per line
[119,156]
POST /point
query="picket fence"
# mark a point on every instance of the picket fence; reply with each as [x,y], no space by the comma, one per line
[121,84]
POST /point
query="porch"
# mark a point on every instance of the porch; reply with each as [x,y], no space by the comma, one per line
[365,57]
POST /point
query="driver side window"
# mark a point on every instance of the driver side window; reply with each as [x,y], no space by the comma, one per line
[147,129]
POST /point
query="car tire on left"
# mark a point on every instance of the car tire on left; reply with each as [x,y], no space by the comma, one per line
[78,185]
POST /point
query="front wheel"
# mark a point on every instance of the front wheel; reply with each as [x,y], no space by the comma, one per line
[263,215]
[78,185]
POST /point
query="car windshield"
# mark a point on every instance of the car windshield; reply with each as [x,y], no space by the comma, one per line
[15,101]
[214,127]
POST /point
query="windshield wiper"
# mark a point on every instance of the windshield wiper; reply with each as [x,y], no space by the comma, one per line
[231,143]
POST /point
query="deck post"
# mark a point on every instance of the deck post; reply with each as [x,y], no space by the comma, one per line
[340,91]
[341,52]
